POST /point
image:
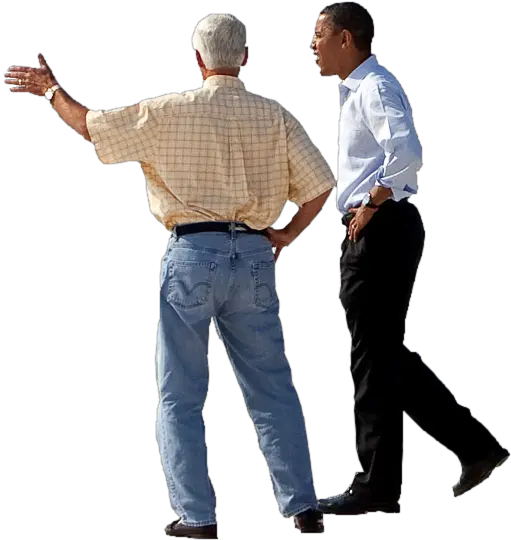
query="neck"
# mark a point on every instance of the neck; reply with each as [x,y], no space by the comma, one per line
[357,59]
[231,72]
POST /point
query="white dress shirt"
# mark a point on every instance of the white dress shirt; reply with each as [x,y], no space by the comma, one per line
[378,144]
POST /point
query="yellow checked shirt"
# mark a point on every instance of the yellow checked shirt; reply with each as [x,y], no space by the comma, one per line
[218,153]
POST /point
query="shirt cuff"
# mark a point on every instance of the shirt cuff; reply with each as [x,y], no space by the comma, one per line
[93,119]
[316,192]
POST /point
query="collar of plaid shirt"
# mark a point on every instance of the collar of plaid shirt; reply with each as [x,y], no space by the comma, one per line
[227,81]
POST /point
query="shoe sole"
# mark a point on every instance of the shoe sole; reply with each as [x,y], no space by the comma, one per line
[385,509]
[501,462]
[194,536]
[318,532]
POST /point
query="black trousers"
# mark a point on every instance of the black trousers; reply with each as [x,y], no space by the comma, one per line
[377,276]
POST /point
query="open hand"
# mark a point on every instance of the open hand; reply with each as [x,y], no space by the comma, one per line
[33,80]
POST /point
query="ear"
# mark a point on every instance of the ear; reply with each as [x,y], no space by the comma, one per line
[199,59]
[246,57]
[346,39]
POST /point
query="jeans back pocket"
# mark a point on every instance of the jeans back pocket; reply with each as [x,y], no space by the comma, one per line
[263,276]
[190,283]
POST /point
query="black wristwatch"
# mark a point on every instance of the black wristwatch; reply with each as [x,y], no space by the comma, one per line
[368,201]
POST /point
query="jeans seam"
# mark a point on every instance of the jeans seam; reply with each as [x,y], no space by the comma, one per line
[170,480]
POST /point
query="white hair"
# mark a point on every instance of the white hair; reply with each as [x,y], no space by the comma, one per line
[220,40]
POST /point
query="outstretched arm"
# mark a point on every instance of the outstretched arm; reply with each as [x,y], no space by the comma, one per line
[38,81]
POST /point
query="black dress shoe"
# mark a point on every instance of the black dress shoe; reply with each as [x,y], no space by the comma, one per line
[185,531]
[310,521]
[352,504]
[472,475]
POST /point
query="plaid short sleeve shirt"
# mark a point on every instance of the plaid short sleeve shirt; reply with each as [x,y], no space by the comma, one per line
[218,153]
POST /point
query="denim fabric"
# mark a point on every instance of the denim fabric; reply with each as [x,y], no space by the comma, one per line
[230,278]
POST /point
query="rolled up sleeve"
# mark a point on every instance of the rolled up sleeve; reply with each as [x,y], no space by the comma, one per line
[390,121]
[124,134]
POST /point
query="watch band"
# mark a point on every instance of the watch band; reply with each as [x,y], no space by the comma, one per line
[370,203]
[51,91]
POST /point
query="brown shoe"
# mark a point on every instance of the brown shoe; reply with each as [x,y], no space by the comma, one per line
[185,531]
[310,521]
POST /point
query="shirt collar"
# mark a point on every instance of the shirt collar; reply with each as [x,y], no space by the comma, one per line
[225,81]
[353,80]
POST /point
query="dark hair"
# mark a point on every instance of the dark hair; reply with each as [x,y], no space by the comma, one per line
[354,18]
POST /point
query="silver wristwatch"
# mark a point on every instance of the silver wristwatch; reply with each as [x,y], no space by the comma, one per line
[368,201]
[49,93]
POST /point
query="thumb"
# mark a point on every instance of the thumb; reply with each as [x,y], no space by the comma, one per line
[42,61]
[353,210]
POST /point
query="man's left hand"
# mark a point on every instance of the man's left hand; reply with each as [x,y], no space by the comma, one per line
[33,80]
[280,238]
[362,217]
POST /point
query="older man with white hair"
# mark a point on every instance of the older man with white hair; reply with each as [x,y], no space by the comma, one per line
[220,163]
[245,156]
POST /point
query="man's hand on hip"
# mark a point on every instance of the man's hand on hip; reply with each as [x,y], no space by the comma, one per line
[362,217]
[280,238]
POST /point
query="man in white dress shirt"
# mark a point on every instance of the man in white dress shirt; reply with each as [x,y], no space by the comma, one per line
[379,157]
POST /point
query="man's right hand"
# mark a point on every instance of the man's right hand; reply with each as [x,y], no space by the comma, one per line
[280,238]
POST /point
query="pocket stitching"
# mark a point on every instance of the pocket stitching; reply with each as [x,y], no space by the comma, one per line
[199,301]
[256,266]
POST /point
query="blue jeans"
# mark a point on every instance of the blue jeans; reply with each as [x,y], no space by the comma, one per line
[229,277]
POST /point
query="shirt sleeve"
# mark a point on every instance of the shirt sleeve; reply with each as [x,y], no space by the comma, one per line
[389,117]
[124,134]
[309,173]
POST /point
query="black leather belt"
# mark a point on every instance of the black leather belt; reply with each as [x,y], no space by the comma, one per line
[215,226]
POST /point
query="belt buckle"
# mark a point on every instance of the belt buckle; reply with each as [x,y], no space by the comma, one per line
[237,226]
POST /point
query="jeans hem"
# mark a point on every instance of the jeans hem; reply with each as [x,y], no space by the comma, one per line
[204,523]
[300,509]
